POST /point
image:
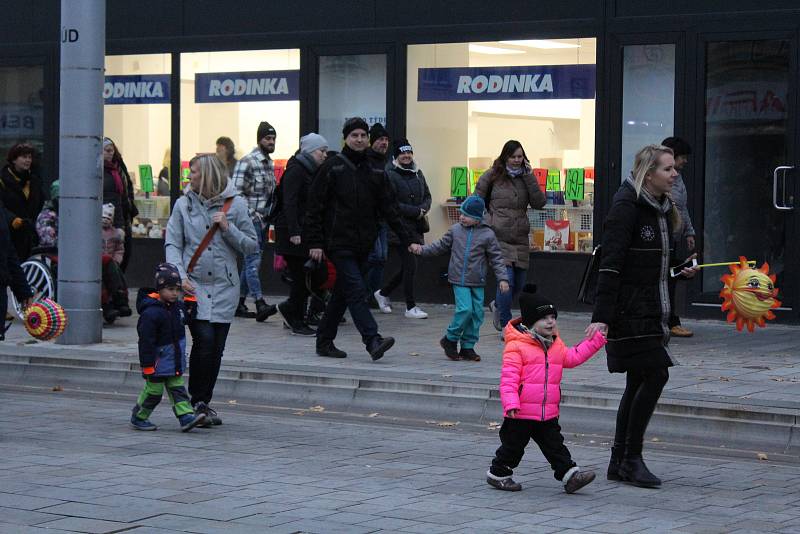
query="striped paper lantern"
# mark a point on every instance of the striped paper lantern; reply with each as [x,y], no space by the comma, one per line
[45,320]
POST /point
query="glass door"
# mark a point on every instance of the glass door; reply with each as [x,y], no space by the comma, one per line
[749,164]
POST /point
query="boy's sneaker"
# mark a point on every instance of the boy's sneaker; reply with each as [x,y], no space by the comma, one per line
[378,346]
[212,419]
[384,303]
[575,479]
[190,420]
[142,424]
[416,313]
[495,316]
[450,348]
[469,354]
[502,483]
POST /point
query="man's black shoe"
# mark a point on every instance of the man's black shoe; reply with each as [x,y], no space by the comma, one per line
[303,330]
[286,314]
[264,311]
[378,346]
[242,311]
[328,350]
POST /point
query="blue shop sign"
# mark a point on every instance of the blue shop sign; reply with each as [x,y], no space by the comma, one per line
[137,89]
[247,86]
[507,83]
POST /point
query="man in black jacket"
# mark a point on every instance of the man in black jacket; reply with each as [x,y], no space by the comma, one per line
[346,199]
[378,156]
[11,274]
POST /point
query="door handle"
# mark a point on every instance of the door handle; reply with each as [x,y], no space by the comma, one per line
[781,170]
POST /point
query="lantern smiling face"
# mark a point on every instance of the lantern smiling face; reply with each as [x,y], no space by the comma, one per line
[749,295]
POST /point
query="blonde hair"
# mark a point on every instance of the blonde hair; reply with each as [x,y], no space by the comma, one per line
[645,161]
[213,175]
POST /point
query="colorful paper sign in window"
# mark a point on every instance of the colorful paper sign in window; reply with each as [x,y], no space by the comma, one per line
[146,178]
[541,177]
[458,181]
[553,180]
[474,176]
[574,185]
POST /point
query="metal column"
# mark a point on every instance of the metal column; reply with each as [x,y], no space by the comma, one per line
[80,168]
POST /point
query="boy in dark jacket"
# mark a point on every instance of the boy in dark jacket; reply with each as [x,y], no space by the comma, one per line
[470,243]
[162,351]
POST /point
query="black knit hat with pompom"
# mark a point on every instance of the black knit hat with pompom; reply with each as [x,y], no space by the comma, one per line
[534,306]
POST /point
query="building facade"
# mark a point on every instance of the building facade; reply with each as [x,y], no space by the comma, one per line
[581,83]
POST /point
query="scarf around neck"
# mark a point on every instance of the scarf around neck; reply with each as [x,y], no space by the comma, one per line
[111,167]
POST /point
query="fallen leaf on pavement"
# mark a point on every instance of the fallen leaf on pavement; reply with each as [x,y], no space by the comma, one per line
[317,409]
[447,424]
[58,388]
[762,456]
[376,414]
[446,376]
[231,401]
[413,353]
[778,379]
[724,379]
[655,440]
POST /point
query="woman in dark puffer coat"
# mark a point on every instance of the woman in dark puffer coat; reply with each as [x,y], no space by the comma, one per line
[414,201]
[632,303]
[291,207]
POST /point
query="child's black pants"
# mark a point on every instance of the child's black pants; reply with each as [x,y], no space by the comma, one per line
[515,435]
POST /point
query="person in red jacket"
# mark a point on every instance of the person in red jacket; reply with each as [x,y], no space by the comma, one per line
[530,390]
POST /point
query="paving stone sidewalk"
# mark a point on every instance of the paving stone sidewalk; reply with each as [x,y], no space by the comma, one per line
[719,363]
[72,464]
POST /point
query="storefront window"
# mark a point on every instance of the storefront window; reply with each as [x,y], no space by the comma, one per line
[227,94]
[648,98]
[465,100]
[22,110]
[350,86]
[137,119]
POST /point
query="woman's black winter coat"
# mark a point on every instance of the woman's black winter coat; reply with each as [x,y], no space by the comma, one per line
[291,204]
[412,194]
[632,293]
[19,206]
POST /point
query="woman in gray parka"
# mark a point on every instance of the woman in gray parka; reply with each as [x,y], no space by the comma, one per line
[214,281]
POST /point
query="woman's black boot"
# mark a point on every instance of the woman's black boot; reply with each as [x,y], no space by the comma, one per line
[634,471]
[617,453]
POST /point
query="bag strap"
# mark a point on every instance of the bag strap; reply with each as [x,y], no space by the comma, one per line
[207,238]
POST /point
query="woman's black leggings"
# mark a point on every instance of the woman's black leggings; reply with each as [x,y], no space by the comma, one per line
[408,269]
[642,391]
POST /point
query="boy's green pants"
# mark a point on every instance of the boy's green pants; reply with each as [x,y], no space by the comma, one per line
[468,318]
[154,390]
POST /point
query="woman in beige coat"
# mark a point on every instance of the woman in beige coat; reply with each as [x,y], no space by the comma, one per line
[508,188]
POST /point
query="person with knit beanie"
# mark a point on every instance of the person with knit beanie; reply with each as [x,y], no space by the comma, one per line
[254,177]
[379,157]
[346,199]
[530,391]
[471,245]
[414,201]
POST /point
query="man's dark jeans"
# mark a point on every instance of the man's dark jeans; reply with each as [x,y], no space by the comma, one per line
[350,292]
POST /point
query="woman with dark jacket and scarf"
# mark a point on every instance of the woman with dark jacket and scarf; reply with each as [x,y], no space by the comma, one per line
[632,302]
[414,201]
[508,188]
[21,193]
[291,207]
[118,190]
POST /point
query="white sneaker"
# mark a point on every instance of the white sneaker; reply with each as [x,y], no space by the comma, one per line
[384,303]
[416,313]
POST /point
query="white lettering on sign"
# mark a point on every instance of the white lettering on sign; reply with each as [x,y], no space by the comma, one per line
[509,83]
[132,90]
[248,86]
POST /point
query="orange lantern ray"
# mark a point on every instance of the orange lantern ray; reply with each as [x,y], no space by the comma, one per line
[749,295]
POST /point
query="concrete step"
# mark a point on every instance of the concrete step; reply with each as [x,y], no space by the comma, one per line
[700,420]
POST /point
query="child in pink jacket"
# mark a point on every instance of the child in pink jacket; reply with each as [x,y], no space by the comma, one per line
[530,390]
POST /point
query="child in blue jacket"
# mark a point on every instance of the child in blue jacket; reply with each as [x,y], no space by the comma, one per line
[162,351]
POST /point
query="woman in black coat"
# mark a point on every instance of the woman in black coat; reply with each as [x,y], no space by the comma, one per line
[291,207]
[11,274]
[21,193]
[118,190]
[414,201]
[632,303]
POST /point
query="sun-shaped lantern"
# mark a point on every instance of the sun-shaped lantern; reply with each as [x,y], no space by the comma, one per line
[749,295]
[45,320]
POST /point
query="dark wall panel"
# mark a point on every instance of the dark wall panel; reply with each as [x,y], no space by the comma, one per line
[652,8]
[212,17]
[443,13]
[143,18]
[30,21]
